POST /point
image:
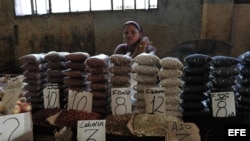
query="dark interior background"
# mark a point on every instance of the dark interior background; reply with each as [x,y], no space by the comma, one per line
[173,23]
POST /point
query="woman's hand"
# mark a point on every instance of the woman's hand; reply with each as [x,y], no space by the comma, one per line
[142,46]
[145,41]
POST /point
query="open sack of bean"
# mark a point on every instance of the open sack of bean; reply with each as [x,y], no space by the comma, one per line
[150,124]
[117,124]
[55,117]
[159,125]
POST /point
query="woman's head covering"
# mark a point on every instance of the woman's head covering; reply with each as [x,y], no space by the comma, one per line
[133,23]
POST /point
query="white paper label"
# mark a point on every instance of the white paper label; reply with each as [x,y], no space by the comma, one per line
[121,101]
[91,130]
[155,100]
[16,127]
[80,101]
[223,104]
[51,96]
[178,131]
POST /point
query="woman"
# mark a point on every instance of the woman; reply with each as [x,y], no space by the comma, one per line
[135,42]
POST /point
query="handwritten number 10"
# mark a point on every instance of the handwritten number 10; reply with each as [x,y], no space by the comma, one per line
[83,98]
[51,99]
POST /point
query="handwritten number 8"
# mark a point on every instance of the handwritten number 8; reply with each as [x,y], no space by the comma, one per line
[120,101]
[221,107]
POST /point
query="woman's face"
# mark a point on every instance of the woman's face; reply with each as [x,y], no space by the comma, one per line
[131,34]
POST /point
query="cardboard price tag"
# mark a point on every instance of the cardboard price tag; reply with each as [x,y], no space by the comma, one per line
[155,100]
[223,104]
[121,101]
[80,101]
[16,127]
[182,131]
[91,130]
[51,96]
[12,92]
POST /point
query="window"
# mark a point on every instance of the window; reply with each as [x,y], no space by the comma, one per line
[40,7]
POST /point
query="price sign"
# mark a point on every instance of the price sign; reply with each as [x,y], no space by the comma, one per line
[121,101]
[223,104]
[182,131]
[12,92]
[91,130]
[51,96]
[80,101]
[16,127]
[155,100]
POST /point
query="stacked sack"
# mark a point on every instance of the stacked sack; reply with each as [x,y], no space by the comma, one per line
[55,66]
[145,73]
[34,78]
[223,75]
[243,87]
[196,78]
[120,69]
[76,76]
[170,78]
[99,85]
